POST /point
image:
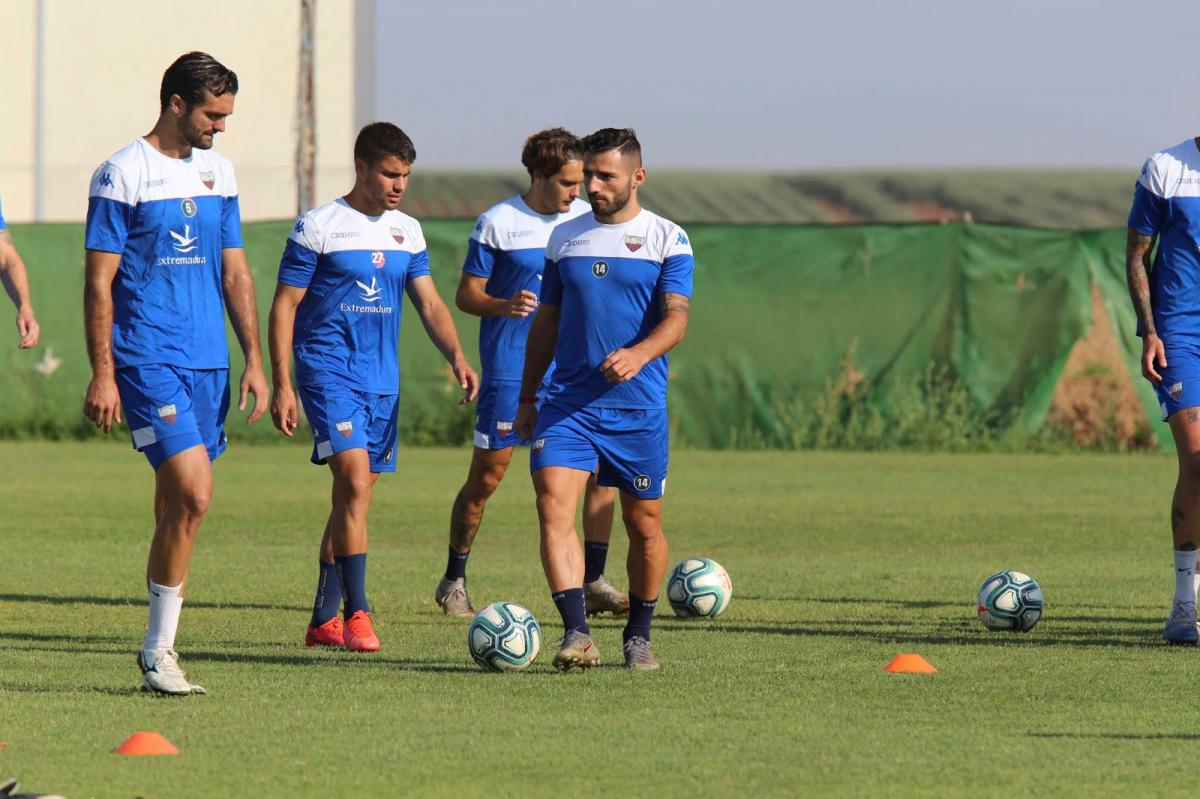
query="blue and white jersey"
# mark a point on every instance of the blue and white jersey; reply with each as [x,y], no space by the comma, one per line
[355,268]
[607,280]
[2,224]
[508,247]
[168,219]
[1166,203]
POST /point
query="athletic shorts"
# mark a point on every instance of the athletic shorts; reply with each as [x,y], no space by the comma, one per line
[1180,386]
[171,408]
[344,418]
[496,411]
[627,449]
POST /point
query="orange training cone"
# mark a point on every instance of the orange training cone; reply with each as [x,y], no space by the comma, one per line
[910,664]
[146,743]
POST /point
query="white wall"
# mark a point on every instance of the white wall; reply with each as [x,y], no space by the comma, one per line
[102,65]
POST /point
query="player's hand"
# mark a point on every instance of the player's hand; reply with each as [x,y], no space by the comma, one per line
[102,403]
[27,328]
[526,421]
[521,304]
[468,381]
[284,412]
[622,365]
[1154,354]
[254,382]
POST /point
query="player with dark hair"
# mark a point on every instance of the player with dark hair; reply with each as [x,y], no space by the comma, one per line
[1166,206]
[501,280]
[615,299]
[16,284]
[337,307]
[163,259]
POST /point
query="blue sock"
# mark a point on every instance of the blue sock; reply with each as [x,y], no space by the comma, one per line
[352,572]
[570,607]
[456,565]
[595,554]
[329,594]
[641,613]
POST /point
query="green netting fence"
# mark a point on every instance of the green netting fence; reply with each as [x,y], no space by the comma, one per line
[794,330]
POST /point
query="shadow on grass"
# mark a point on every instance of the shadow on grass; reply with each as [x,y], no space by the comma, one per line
[46,599]
[69,689]
[330,658]
[1122,736]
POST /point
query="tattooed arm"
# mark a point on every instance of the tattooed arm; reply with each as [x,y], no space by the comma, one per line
[1137,273]
[625,364]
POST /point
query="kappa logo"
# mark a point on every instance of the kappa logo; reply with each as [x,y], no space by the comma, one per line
[105,181]
[299,228]
[641,482]
[397,234]
[479,226]
[208,179]
[167,412]
[345,428]
[1175,391]
[188,206]
[379,259]
[184,242]
[681,239]
[634,243]
[371,293]
[600,268]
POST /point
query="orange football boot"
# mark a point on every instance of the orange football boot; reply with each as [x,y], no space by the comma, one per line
[331,633]
[360,635]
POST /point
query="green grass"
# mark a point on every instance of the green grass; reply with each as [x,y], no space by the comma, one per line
[839,562]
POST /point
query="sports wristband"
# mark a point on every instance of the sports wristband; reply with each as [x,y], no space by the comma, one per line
[527,400]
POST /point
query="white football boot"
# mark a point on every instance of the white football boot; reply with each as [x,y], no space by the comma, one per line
[161,674]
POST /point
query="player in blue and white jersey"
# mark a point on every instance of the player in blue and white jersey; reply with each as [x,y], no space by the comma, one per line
[616,293]
[163,260]
[1166,299]
[501,281]
[344,271]
[16,284]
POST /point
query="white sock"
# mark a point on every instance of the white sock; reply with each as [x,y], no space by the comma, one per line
[1185,575]
[166,602]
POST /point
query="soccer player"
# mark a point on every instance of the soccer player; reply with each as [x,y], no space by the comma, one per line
[163,246]
[615,299]
[16,283]
[337,307]
[1166,299]
[500,283]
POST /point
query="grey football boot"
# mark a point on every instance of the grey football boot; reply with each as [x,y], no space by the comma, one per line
[452,597]
[1181,625]
[601,596]
[576,650]
[638,655]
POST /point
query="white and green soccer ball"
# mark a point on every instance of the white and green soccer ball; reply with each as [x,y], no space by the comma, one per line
[699,587]
[504,637]
[1010,600]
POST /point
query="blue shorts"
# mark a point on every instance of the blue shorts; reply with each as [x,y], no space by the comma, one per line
[171,408]
[344,418]
[627,448]
[496,411]
[1180,386]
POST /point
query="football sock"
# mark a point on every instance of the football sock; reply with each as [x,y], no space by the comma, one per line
[352,574]
[1185,572]
[570,607]
[165,604]
[595,553]
[456,565]
[641,613]
[329,594]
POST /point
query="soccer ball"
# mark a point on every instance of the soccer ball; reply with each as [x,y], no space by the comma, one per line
[1010,600]
[504,637]
[699,587]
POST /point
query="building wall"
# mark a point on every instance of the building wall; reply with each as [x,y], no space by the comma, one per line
[102,65]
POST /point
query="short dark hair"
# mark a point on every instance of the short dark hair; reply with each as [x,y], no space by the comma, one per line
[378,140]
[547,151]
[192,75]
[623,140]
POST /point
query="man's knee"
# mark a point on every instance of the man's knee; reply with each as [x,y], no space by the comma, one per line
[483,482]
[642,519]
[1189,469]
[353,489]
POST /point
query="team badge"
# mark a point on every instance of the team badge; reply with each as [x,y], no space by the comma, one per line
[634,243]
[600,268]
[379,259]
[167,412]
[345,428]
[188,206]
[1175,391]
[208,179]
[541,442]
[504,427]
[397,234]
[641,482]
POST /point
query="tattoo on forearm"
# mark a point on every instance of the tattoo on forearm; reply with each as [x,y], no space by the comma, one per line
[462,527]
[675,302]
[1137,274]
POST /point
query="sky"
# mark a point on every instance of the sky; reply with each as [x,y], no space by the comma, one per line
[795,84]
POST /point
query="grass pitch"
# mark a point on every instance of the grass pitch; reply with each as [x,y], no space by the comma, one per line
[839,562]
